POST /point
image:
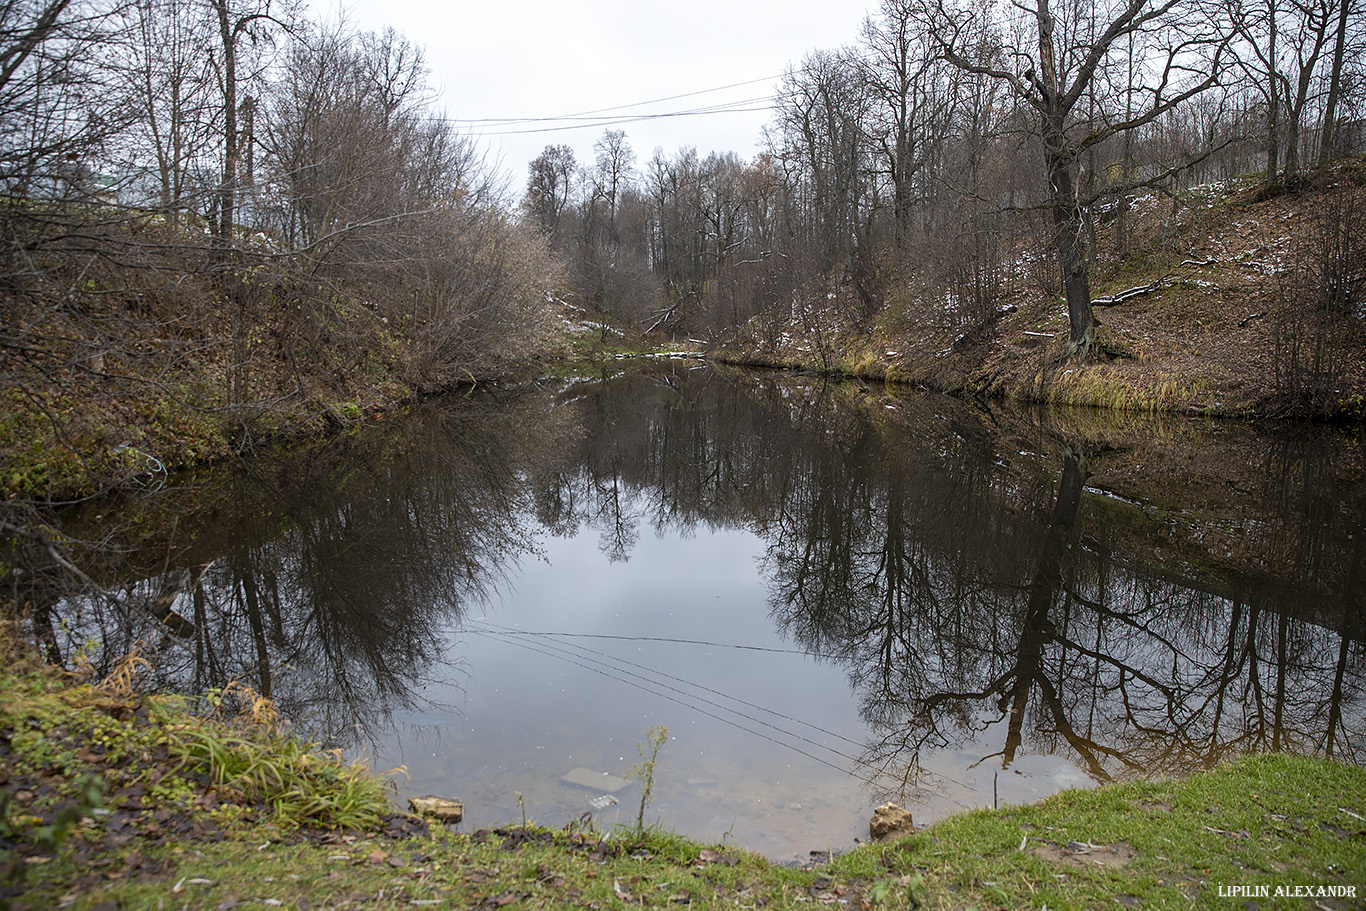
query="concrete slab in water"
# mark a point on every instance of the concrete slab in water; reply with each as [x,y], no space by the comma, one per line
[596,781]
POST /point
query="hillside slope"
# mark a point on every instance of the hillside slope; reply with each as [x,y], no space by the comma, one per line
[1225,302]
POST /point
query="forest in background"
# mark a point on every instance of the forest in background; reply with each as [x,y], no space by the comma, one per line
[966,159]
[953,137]
[224,222]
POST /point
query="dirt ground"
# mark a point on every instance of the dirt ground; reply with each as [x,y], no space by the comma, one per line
[1196,316]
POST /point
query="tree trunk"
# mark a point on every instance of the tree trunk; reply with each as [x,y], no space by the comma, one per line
[227,190]
[1068,224]
[1273,125]
[1069,232]
[903,204]
[1330,109]
[1122,204]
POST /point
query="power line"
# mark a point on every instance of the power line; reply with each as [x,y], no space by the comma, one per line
[591,121]
[608,123]
[619,107]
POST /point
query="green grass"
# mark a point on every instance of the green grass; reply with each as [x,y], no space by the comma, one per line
[1268,821]
[254,761]
[1264,821]
[1103,387]
[1271,821]
[75,752]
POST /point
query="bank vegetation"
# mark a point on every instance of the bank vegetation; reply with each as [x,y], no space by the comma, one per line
[223,224]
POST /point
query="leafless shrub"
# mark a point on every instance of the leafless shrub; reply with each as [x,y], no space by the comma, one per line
[1322,303]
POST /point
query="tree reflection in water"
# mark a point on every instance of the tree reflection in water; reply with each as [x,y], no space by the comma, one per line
[969,601]
[325,578]
[1148,597]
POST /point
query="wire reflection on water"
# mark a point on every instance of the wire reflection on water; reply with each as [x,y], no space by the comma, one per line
[990,584]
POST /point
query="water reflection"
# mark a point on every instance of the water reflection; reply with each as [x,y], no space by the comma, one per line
[324,578]
[966,597]
[1132,598]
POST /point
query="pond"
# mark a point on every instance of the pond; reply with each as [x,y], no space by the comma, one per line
[831,595]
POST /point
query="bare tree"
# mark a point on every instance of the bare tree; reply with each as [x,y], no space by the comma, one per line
[1280,43]
[242,25]
[57,110]
[914,101]
[821,138]
[348,135]
[1328,136]
[613,172]
[1056,63]
[673,186]
[172,94]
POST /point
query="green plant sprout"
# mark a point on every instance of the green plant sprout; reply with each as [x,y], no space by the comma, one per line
[644,771]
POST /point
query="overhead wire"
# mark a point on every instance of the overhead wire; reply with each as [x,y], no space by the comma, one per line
[638,118]
[593,118]
[590,119]
[619,107]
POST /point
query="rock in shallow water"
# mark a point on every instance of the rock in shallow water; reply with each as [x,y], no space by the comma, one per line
[601,782]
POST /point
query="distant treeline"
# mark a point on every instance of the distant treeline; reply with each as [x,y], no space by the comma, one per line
[963,147]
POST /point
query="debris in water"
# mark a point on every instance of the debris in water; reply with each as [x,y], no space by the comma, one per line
[594,781]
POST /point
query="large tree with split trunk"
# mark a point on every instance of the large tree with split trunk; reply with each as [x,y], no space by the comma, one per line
[1088,71]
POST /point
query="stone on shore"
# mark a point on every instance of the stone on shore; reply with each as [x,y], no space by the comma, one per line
[442,809]
[889,821]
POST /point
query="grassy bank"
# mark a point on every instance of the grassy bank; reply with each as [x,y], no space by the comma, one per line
[117,800]
[106,400]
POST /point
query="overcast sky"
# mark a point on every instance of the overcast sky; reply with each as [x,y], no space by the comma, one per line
[510,59]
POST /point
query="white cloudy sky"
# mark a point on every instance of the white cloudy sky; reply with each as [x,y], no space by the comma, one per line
[503,59]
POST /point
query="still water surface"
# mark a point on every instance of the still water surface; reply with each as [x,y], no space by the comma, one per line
[830,596]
